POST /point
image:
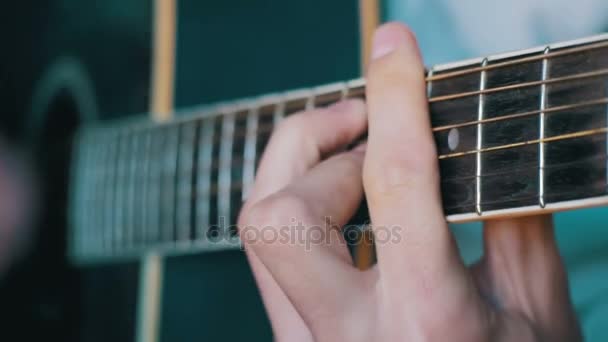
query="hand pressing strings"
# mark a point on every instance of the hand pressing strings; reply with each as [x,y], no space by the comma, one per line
[420,289]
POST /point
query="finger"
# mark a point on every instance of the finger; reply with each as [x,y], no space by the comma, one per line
[311,264]
[287,324]
[302,140]
[525,272]
[401,174]
[299,143]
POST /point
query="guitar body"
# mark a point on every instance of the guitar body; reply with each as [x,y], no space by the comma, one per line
[81,62]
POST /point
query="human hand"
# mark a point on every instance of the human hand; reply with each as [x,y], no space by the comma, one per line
[420,289]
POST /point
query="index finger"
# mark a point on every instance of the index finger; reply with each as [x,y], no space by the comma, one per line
[401,175]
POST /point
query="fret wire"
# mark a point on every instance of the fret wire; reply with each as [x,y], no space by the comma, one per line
[429,84]
[131,205]
[147,168]
[82,204]
[94,226]
[225,174]
[141,191]
[204,177]
[111,196]
[128,228]
[166,179]
[279,111]
[343,91]
[120,194]
[549,110]
[155,183]
[77,190]
[168,228]
[584,75]
[480,116]
[541,145]
[250,152]
[521,60]
[310,100]
[107,193]
[185,165]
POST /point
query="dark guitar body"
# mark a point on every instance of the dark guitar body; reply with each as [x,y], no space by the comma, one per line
[75,61]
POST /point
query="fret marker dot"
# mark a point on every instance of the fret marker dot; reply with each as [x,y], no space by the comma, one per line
[453,139]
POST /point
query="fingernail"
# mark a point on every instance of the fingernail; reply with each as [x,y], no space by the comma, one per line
[387,39]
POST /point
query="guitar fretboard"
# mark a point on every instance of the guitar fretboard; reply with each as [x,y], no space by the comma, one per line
[518,133]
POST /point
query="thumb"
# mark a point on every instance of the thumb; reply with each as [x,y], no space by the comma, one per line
[526,275]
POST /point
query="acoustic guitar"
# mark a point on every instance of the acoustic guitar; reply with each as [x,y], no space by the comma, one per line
[517,134]
[520,133]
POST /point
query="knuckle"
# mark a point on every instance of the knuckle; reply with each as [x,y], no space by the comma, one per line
[274,211]
[264,221]
[294,124]
[351,162]
[393,176]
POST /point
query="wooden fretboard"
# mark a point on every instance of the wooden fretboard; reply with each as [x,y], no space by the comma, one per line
[516,134]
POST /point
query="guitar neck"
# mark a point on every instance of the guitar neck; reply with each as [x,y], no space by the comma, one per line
[516,134]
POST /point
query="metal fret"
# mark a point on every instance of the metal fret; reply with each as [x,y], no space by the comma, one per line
[141,169]
[203,186]
[119,202]
[94,227]
[279,111]
[77,190]
[84,200]
[429,84]
[480,116]
[250,151]
[225,176]
[343,91]
[146,169]
[310,100]
[131,198]
[153,210]
[105,191]
[184,189]
[167,233]
[109,207]
[541,145]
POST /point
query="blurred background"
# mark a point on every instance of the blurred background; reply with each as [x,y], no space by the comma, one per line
[65,62]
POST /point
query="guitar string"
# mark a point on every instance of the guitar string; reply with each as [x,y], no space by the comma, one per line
[579,134]
[557,194]
[214,190]
[518,61]
[570,78]
[358,90]
[518,86]
[268,128]
[240,135]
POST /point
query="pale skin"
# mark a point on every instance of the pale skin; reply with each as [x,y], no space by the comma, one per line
[420,289]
